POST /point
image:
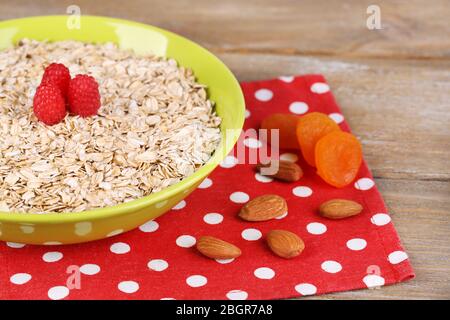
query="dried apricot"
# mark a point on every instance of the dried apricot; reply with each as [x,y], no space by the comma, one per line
[287,124]
[310,128]
[338,158]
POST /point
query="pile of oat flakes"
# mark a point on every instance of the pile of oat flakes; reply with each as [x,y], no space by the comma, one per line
[155,127]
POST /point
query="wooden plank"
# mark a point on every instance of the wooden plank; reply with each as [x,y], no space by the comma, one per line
[413,28]
[400,110]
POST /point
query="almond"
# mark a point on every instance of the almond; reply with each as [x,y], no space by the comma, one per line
[215,248]
[284,243]
[263,208]
[287,171]
[339,209]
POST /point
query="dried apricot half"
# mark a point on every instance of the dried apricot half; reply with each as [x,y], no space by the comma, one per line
[287,124]
[310,128]
[338,158]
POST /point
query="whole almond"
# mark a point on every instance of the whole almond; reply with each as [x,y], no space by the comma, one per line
[284,243]
[215,248]
[287,171]
[339,209]
[263,208]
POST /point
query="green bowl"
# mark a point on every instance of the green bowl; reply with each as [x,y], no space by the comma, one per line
[223,88]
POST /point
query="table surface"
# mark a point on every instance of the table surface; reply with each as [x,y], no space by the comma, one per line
[393,86]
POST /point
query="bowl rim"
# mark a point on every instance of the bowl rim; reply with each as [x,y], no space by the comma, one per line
[225,145]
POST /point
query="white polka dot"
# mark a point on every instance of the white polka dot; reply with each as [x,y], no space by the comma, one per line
[373,281]
[205,183]
[58,292]
[196,281]
[180,205]
[83,228]
[158,265]
[356,244]
[239,197]
[364,184]
[298,107]
[15,245]
[291,157]
[306,289]
[380,219]
[286,79]
[20,278]
[229,162]
[161,204]
[185,241]
[302,191]
[52,243]
[128,286]
[52,256]
[247,114]
[120,248]
[225,261]
[149,226]
[27,229]
[89,269]
[397,256]
[251,234]
[114,233]
[264,273]
[320,87]
[263,95]
[284,215]
[213,218]
[263,179]
[237,295]
[331,266]
[167,299]
[316,228]
[336,117]
[252,143]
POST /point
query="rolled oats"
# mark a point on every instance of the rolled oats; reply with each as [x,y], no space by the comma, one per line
[155,127]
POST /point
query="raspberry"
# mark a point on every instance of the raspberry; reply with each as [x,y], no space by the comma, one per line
[48,104]
[84,97]
[58,75]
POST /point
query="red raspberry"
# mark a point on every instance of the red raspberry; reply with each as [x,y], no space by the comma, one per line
[49,105]
[84,97]
[58,75]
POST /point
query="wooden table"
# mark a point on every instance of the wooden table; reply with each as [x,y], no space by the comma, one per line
[393,85]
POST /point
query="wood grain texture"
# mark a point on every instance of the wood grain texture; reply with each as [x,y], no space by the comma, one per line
[393,86]
[413,28]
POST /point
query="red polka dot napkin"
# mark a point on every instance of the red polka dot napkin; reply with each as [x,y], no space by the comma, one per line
[159,261]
